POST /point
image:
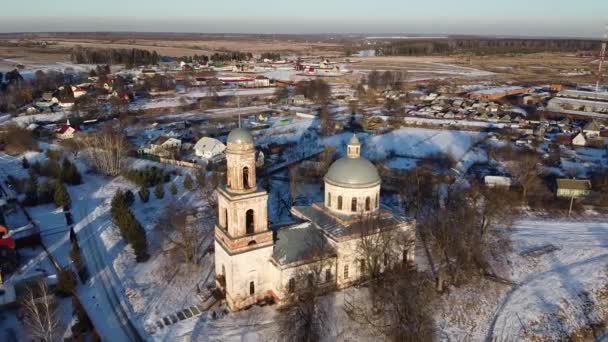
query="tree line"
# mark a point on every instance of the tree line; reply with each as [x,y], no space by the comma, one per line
[128,57]
[482,46]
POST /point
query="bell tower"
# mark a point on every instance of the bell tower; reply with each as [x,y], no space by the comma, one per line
[243,242]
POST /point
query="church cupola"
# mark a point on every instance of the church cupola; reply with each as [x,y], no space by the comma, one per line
[353,149]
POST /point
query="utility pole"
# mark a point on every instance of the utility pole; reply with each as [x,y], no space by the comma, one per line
[600,71]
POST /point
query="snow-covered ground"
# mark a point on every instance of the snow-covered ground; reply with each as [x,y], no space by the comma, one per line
[552,291]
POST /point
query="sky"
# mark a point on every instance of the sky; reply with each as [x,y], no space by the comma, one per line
[559,18]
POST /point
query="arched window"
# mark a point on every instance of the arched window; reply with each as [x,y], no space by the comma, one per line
[291,287]
[311,279]
[249,222]
[328,275]
[251,288]
[251,243]
[377,201]
[367,203]
[329,199]
[225,215]
[339,202]
[353,204]
[246,177]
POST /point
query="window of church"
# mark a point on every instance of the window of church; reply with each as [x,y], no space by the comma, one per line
[367,204]
[291,286]
[249,222]
[246,177]
[251,288]
[345,271]
[329,199]
[377,201]
[328,275]
[353,205]
[339,202]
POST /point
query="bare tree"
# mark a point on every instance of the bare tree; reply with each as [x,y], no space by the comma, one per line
[402,309]
[462,231]
[305,315]
[41,317]
[380,242]
[106,151]
[525,170]
[185,232]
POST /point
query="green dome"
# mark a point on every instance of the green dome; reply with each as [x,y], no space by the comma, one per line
[240,136]
[353,173]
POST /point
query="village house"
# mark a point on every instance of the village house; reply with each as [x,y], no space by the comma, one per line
[66,131]
[592,129]
[573,188]
[209,148]
[164,147]
[78,92]
[579,140]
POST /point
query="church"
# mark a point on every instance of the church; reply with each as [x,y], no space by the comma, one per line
[254,263]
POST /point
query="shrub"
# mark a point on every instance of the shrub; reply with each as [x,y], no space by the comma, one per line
[159,191]
[188,183]
[17,140]
[148,177]
[144,194]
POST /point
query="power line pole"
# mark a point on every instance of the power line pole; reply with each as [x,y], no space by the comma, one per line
[600,68]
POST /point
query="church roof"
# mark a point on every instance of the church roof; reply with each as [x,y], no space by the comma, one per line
[300,243]
[353,173]
[330,221]
[240,136]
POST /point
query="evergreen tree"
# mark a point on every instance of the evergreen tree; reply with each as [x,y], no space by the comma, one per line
[76,256]
[173,189]
[66,283]
[61,196]
[31,190]
[130,229]
[69,173]
[129,198]
[159,191]
[144,194]
[46,193]
[25,163]
[188,183]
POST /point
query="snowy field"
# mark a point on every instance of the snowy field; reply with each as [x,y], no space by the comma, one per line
[552,291]
[412,142]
